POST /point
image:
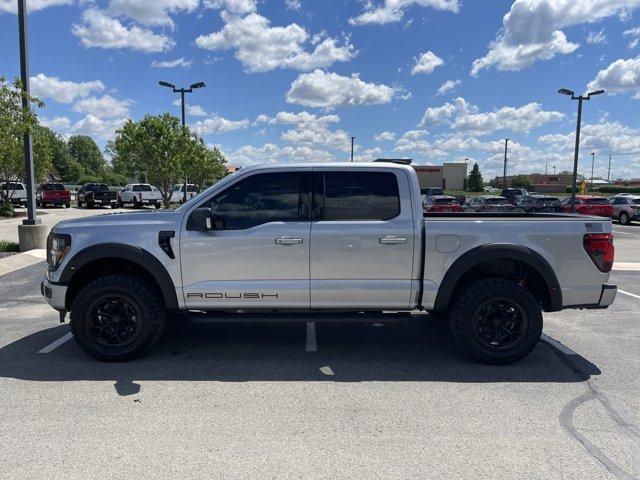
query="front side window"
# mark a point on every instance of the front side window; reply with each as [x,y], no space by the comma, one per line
[360,196]
[261,198]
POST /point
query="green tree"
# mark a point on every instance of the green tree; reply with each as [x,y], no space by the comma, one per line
[15,121]
[521,181]
[68,168]
[84,150]
[160,149]
[475,182]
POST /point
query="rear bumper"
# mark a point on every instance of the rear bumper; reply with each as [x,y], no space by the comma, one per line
[607,296]
[54,293]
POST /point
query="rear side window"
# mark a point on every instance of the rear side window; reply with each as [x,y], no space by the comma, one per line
[360,196]
[142,188]
[261,198]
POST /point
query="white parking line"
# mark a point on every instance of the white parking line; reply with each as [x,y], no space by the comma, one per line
[52,346]
[311,345]
[630,294]
[557,345]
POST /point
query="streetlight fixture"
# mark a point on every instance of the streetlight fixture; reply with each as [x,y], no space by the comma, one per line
[182,91]
[580,98]
[504,173]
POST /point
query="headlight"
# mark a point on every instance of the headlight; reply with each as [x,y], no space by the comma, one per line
[58,245]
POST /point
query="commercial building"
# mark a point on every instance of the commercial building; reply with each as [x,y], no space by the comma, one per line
[540,183]
[450,176]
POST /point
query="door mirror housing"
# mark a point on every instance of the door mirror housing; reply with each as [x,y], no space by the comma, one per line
[203,219]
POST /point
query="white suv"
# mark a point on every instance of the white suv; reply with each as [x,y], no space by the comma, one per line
[15,192]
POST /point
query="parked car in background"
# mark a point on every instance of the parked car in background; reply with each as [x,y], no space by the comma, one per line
[512,194]
[52,194]
[139,194]
[621,195]
[440,203]
[487,203]
[491,189]
[430,191]
[538,203]
[589,205]
[93,194]
[626,208]
[177,193]
[15,192]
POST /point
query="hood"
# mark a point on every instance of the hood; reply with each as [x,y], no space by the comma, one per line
[156,220]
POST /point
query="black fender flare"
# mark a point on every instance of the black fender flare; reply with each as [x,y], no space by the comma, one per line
[495,251]
[137,255]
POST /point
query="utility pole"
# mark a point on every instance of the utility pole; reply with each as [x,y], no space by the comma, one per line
[546,164]
[32,233]
[352,139]
[504,173]
[580,98]
[182,91]
[609,171]
[554,169]
[593,159]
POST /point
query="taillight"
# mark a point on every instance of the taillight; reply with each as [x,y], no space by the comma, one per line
[599,247]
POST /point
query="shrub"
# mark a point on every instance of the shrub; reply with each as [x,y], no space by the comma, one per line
[6,246]
[618,189]
[6,209]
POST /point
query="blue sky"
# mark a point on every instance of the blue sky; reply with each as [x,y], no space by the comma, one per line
[292,80]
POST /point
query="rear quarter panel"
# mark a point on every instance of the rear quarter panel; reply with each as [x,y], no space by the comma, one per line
[557,240]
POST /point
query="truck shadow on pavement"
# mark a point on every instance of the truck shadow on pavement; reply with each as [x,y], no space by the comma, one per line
[421,351]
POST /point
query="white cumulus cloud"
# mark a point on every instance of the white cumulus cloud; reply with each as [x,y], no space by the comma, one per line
[427,63]
[330,90]
[103,107]
[178,62]
[11,6]
[622,76]
[384,136]
[387,11]
[99,30]
[63,91]
[448,86]
[218,124]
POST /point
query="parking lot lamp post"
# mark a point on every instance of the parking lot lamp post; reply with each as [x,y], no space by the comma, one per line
[609,170]
[580,98]
[504,173]
[182,91]
[352,139]
[593,159]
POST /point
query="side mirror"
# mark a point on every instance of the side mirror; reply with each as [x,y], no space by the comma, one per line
[203,220]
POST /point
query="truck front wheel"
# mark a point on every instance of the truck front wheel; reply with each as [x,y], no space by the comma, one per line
[117,317]
[496,321]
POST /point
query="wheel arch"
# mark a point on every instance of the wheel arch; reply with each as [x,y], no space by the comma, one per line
[492,259]
[108,258]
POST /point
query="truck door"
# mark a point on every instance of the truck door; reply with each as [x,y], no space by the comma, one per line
[362,239]
[260,256]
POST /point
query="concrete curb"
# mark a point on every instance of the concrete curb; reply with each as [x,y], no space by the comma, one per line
[21,260]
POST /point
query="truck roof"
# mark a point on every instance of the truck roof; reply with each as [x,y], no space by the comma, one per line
[350,165]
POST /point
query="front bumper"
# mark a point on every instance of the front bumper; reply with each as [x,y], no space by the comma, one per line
[54,293]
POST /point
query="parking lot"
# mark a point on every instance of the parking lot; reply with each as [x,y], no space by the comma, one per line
[332,401]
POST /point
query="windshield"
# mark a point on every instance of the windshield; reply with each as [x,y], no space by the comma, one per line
[13,186]
[597,201]
[53,186]
[142,188]
[432,191]
[98,187]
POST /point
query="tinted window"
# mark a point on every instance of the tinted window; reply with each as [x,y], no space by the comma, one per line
[262,198]
[13,186]
[445,201]
[432,191]
[361,196]
[52,186]
[636,201]
[548,201]
[141,188]
[495,200]
[597,201]
[97,187]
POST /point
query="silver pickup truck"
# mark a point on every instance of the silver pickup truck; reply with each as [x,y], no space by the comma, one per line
[329,238]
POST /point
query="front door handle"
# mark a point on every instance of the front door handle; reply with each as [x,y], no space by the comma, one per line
[393,240]
[288,241]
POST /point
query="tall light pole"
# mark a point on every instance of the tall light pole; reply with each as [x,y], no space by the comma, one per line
[593,160]
[352,139]
[182,91]
[504,173]
[609,170]
[580,98]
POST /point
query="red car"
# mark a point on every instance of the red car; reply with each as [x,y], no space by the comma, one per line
[52,194]
[440,203]
[589,205]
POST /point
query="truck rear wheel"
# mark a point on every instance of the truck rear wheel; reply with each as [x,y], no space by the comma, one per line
[496,321]
[117,317]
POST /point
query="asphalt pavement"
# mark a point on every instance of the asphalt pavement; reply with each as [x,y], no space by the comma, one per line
[392,401]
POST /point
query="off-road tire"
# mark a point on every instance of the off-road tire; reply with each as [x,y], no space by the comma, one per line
[149,308]
[472,297]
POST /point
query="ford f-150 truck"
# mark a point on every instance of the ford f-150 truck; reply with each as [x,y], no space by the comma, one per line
[50,193]
[330,238]
[139,194]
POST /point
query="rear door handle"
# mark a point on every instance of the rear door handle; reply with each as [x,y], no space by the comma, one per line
[392,240]
[288,241]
